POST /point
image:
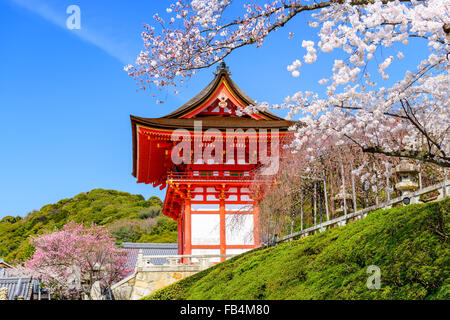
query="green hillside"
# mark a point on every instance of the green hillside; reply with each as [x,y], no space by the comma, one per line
[128,217]
[409,245]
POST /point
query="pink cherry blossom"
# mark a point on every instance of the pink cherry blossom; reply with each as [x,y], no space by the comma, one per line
[409,117]
[69,261]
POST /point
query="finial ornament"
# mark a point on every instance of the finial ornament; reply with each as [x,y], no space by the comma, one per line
[222,67]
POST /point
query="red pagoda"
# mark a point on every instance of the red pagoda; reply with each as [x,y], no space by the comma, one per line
[206,153]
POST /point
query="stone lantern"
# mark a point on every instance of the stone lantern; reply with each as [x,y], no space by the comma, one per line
[339,200]
[407,177]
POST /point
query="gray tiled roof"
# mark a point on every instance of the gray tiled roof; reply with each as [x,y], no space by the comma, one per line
[17,286]
[149,249]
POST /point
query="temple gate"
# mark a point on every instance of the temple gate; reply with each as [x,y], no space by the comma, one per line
[207,153]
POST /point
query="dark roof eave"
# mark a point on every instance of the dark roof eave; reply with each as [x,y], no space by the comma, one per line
[134,137]
[212,122]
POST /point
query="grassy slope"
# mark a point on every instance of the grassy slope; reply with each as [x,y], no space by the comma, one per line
[129,218]
[409,244]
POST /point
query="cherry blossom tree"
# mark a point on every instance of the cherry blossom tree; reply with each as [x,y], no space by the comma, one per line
[406,116]
[70,261]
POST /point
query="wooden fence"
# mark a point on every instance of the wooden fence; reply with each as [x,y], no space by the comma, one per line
[413,197]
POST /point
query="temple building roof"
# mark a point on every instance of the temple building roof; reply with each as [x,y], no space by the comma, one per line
[18,286]
[222,74]
[3,264]
[149,249]
[220,105]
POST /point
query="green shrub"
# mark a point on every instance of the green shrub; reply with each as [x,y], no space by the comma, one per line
[409,244]
[149,212]
[131,218]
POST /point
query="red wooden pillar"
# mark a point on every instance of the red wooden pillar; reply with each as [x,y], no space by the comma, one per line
[256,224]
[187,227]
[222,229]
[180,234]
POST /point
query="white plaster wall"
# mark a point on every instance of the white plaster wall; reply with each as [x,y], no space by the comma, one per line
[236,251]
[198,197]
[205,229]
[239,229]
[238,207]
[205,207]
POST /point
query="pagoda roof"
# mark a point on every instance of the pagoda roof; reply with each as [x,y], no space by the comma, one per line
[222,74]
[221,89]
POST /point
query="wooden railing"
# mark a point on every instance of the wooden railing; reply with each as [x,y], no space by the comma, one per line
[443,188]
[194,261]
[211,175]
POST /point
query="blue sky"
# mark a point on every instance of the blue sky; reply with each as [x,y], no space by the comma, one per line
[65,100]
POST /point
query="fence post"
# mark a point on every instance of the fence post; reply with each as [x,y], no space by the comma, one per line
[388,188]
[301,211]
[325,194]
[444,193]
[315,202]
[140,258]
[268,230]
[353,191]
[343,190]
[292,226]
[420,175]
[376,185]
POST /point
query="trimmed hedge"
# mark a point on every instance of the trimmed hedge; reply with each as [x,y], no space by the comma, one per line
[409,244]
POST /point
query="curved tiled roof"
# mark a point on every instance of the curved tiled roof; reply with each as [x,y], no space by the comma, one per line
[184,117]
[149,249]
[5,263]
[18,286]
[222,72]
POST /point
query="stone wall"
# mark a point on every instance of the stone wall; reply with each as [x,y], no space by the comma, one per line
[148,282]
[148,277]
[4,293]
[124,289]
[143,283]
